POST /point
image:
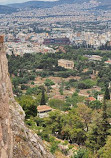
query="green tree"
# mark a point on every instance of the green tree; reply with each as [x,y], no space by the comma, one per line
[61,89]
[104,124]
[48,83]
[54,146]
[15,81]
[85,114]
[57,104]
[43,101]
[105,152]
[94,133]
[74,99]
[95,104]
[99,130]
[107,94]
[24,87]
[29,105]
[54,123]
[73,128]
[33,91]
[81,153]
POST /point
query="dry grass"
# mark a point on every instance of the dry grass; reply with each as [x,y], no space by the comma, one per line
[58,154]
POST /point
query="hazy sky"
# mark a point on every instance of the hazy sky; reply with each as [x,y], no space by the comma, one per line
[17,1]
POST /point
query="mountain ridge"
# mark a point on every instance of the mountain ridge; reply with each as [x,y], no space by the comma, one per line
[44,4]
[47,4]
[7,9]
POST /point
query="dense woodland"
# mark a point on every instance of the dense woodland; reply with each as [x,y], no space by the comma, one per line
[74,121]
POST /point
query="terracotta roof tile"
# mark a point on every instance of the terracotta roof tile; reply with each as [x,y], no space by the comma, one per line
[91,99]
[43,108]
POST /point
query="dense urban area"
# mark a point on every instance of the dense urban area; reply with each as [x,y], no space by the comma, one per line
[59,62]
[83,24]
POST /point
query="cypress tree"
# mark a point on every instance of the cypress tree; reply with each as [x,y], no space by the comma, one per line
[43,102]
[107,94]
[104,127]
[99,130]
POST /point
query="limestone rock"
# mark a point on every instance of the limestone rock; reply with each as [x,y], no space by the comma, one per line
[16,140]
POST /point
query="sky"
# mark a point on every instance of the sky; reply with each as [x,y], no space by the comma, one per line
[17,1]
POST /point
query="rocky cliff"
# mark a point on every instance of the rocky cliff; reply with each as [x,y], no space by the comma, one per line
[16,140]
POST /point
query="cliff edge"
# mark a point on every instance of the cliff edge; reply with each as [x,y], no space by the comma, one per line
[16,140]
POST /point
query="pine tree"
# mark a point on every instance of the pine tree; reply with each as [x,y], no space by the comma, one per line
[43,102]
[99,130]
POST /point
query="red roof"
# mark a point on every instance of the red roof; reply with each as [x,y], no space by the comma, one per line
[91,99]
[108,61]
[42,108]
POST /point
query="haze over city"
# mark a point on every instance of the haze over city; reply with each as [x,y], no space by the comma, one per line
[19,1]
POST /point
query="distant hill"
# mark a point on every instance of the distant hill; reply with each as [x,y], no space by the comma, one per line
[7,10]
[44,4]
[104,4]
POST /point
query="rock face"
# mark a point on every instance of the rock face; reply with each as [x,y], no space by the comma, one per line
[16,140]
[6,137]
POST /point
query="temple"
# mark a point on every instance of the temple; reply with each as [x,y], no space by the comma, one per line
[67,64]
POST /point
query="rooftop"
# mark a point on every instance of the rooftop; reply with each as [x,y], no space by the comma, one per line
[108,61]
[63,60]
[42,108]
[91,99]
